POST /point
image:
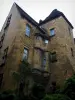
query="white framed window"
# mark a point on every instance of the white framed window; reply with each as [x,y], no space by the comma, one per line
[25,54]
[27,30]
[52,32]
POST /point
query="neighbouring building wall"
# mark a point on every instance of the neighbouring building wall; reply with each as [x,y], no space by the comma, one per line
[62,43]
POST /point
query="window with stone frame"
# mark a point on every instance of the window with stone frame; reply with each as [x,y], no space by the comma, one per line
[52,32]
[28,30]
[25,54]
[44,59]
[53,57]
[46,41]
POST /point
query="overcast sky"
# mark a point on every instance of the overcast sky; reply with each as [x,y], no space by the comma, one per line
[39,9]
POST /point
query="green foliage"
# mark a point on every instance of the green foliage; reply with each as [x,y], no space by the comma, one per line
[69,87]
[21,76]
[38,91]
[16,76]
[56,97]
[7,95]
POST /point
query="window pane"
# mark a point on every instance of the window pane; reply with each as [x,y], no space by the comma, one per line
[27,30]
[52,32]
[25,54]
[46,41]
[25,51]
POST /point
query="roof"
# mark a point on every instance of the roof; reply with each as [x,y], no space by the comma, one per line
[55,14]
[30,19]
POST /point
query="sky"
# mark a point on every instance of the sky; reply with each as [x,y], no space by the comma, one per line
[39,9]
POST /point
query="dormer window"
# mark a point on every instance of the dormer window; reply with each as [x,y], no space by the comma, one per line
[52,32]
[27,30]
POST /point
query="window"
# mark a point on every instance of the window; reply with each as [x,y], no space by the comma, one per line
[52,32]
[44,60]
[72,52]
[53,57]
[25,54]
[46,41]
[27,30]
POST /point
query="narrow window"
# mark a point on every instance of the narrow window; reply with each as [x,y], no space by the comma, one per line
[27,30]
[52,32]
[53,57]
[46,41]
[44,60]
[72,52]
[25,54]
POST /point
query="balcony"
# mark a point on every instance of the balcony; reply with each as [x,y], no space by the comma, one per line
[40,76]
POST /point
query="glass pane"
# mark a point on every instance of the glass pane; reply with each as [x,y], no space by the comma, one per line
[27,30]
[52,32]
[25,51]
[25,54]
[46,41]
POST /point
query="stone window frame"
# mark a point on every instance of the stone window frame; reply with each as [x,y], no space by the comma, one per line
[27,54]
[53,34]
[28,26]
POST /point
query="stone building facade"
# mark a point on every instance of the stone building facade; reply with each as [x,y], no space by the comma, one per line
[47,46]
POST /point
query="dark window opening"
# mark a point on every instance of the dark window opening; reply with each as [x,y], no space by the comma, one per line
[72,52]
[53,57]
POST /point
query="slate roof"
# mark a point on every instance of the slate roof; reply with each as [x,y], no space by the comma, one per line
[55,14]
